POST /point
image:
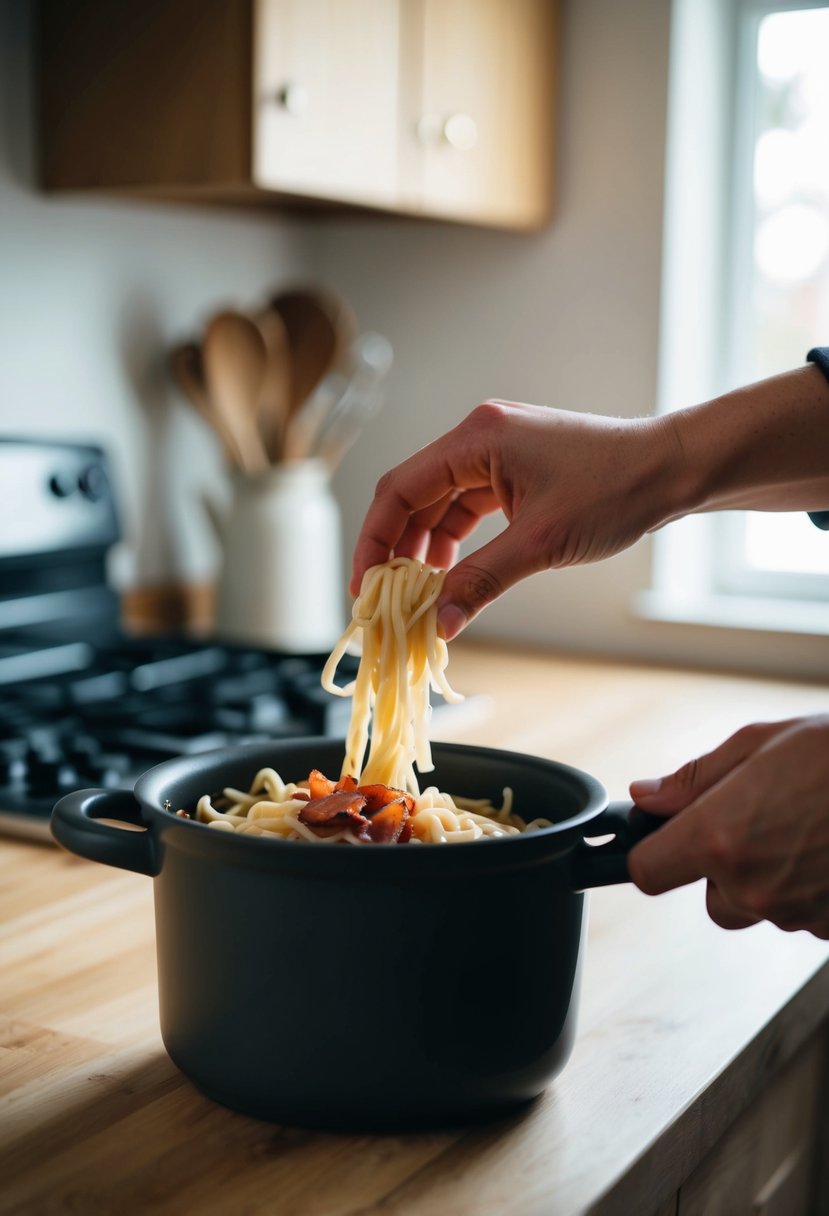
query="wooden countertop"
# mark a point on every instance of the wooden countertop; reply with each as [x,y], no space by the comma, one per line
[681,1024]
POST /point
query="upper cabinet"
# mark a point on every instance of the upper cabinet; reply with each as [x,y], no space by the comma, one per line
[326,97]
[440,108]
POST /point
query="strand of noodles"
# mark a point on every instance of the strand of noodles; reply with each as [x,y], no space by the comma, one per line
[401,658]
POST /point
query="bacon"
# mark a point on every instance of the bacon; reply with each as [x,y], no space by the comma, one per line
[387,826]
[379,796]
[340,805]
[377,814]
[319,785]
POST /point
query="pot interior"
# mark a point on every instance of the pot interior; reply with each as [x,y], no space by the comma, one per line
[541,788]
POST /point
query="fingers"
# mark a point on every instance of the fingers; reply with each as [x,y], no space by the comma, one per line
[434,535]
[670,857]
[481,578]
[681,788]
[724,913]
[415,492]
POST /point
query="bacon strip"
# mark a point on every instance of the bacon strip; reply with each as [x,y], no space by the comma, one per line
[378,796]
[386,827]
[339,805]
[319,785]
[375,813]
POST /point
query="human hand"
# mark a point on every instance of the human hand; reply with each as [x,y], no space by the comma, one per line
[573,487]
[752,817]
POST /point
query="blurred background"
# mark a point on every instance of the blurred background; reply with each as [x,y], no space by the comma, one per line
[603,206]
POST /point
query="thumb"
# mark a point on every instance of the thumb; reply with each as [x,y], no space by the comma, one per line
[481,578]
[681,788]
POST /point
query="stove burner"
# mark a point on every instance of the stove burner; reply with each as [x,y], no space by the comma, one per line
[81,704]
[134,703]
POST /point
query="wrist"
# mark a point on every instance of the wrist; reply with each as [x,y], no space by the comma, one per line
[677,471]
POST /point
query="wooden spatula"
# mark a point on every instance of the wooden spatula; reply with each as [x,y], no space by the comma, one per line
[187,371]
[320,327]
[275,394]
[234,368]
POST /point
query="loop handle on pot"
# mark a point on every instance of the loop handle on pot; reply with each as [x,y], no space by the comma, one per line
[603,865]
[75,825]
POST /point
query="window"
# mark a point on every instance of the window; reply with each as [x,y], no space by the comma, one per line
[745,289]
[779,263]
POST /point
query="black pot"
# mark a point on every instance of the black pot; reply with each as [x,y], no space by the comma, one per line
[374,987]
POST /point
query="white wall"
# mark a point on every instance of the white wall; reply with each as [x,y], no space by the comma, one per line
[568,317]
[92,294]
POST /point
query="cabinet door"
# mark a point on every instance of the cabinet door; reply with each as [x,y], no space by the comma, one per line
[326,98]
[483,114]
[764,1165]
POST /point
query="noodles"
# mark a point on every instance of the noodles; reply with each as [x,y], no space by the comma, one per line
[402,657]
[269,809]
[394,620]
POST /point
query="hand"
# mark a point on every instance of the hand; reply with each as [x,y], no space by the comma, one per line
[573,487]
[753,818]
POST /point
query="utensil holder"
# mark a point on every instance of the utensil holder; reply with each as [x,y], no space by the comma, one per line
[280,583]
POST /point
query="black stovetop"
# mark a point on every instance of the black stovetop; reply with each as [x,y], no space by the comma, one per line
[81,703]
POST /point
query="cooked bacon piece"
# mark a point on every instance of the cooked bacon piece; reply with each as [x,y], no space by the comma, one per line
[387,825]
[375,813]
[340,806]
[378,796]
[319,785]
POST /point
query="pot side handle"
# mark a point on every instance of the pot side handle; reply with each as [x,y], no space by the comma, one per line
[75,825]
[602,865]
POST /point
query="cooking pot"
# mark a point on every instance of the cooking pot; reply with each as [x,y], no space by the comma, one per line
[371,987]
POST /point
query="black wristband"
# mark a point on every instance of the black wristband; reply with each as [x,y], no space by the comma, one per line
[819,355]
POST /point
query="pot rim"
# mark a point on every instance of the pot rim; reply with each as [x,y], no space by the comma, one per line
[153,785]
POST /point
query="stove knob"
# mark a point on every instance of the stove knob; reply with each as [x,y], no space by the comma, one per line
[93,482]
[63,484]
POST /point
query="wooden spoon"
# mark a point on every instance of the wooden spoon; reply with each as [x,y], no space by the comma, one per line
[275,394]
[187,371]
[234,367]
[320,327]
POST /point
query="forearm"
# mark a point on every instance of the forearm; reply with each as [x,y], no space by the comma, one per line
[764,447]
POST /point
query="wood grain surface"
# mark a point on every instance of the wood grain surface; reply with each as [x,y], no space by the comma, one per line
[681,1024]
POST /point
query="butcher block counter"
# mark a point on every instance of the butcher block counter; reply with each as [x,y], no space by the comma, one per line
[694,1087]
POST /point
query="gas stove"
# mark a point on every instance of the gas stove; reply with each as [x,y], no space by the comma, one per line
[82,703]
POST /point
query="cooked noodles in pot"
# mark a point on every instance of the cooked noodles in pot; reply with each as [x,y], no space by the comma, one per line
[376,799]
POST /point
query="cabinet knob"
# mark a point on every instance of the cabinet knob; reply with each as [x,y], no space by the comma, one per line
[293,98]
[460,132]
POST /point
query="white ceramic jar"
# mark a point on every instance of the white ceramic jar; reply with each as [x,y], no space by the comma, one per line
[281,581]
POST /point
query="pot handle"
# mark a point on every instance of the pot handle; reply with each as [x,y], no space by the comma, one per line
[602,865]
[75,825]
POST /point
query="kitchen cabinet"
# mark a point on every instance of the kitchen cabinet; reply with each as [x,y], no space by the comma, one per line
[765,1163]
[434,108]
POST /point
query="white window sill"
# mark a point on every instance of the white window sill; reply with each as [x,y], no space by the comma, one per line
[736,612]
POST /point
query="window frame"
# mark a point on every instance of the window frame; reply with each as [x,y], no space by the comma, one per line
[730,572]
